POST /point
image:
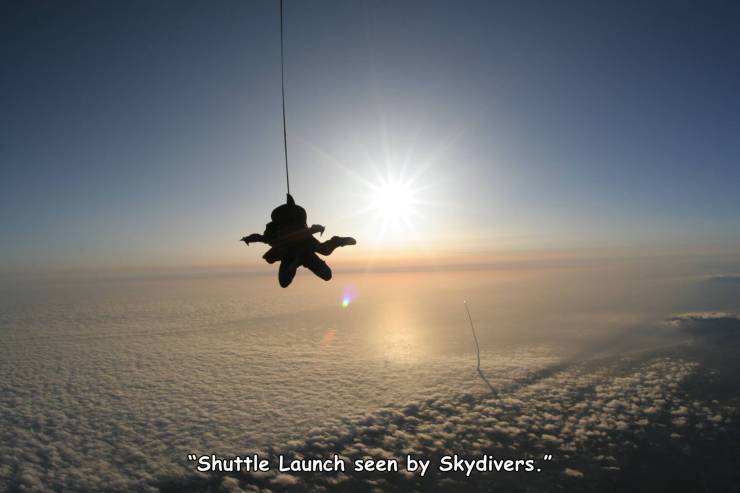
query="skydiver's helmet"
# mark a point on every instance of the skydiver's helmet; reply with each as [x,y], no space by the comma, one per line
[289,214]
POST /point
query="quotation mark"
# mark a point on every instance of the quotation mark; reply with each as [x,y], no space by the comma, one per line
[547,457]
[192,456]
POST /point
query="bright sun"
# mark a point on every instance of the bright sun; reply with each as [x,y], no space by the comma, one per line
[393,205]
[393,201]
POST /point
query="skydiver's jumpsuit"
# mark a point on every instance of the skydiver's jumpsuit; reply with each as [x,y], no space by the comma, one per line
[292,243]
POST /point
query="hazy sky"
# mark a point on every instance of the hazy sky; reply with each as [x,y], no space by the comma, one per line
[150,132]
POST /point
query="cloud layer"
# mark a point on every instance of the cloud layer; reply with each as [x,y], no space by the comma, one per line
[588,417]
[113,395]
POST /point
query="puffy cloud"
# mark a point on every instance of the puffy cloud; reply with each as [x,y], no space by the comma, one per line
[713,325]
[285,480]
[573,472]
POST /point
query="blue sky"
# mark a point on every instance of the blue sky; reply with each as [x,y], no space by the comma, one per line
[148,133]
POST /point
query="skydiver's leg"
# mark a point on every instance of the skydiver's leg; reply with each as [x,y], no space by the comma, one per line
[313,263]
[332,244]
[286,273]
[272,255]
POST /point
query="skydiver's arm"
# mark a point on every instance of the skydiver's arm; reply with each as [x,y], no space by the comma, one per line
[253,238]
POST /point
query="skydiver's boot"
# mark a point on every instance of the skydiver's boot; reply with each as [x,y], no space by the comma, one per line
[335,242]
[287,270]
[313,263]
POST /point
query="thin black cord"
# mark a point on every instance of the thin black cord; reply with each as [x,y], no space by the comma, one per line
[282,85]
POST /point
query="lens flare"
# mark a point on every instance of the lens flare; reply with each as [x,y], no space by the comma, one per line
[329,336]
[348,295]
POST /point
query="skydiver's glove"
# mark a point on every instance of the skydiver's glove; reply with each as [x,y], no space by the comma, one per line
[317,228]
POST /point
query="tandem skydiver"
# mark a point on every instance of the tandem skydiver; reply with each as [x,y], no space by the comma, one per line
[293,244]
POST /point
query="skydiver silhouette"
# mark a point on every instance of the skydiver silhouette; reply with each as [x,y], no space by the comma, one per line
[293,244]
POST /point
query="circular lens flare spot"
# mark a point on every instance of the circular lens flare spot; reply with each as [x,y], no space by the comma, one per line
[348,295]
